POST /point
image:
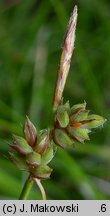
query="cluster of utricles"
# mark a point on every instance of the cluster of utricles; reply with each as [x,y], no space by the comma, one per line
[74,124]
[33,152]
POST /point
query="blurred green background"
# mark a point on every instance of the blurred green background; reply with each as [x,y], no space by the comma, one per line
[31,36]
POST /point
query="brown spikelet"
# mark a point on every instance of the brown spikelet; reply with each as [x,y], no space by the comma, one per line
[66,55]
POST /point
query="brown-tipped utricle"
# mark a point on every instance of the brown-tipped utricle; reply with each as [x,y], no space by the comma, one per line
[30,132]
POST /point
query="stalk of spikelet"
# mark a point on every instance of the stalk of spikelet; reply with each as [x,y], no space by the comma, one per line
[68,47]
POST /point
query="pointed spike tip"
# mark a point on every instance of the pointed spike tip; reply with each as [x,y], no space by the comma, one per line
[75,10]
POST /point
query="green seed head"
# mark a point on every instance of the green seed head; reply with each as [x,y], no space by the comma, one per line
[75,124]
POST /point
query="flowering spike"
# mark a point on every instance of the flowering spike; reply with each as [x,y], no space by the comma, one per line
[68,48]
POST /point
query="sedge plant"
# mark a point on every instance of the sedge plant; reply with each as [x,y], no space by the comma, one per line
[69,125]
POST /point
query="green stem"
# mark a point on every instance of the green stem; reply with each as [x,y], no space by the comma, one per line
[38,182]
[26,189]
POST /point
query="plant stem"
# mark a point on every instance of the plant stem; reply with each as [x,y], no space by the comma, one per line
[41,188]
[26,189]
